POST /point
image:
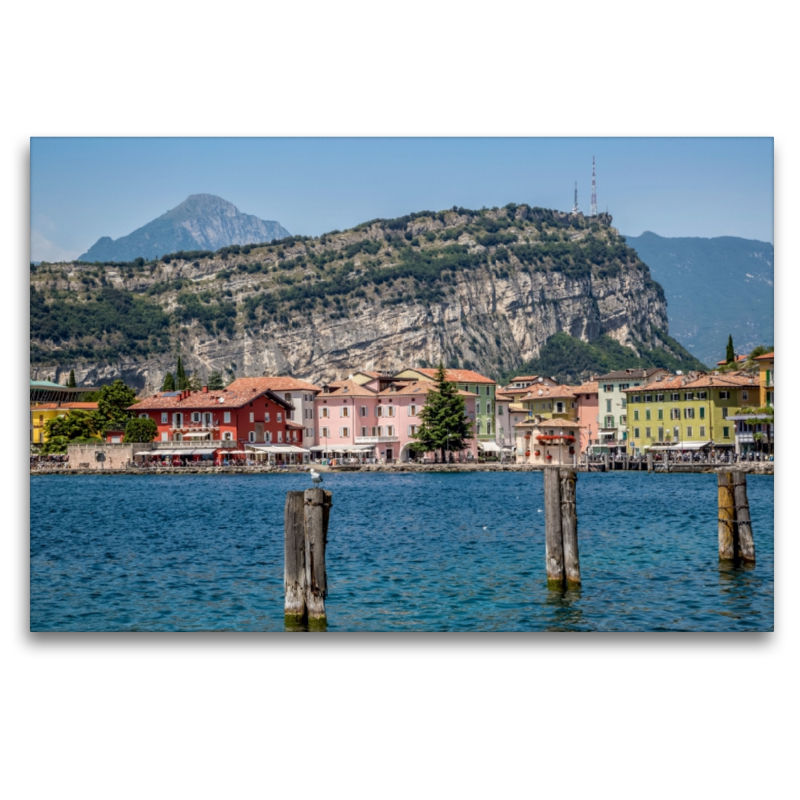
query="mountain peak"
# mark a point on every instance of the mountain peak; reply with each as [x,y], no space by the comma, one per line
[200,222]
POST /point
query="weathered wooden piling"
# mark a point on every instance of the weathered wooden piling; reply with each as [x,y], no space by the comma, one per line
[561,528]
[649,461]
[554,547]
[606,462]
[305,537]
[727,516]
[569,528]
[735,530]
[746,550]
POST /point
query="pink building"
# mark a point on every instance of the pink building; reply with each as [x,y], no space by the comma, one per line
[377,419]
[588,413]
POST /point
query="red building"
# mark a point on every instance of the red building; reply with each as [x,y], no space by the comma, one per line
[249,416]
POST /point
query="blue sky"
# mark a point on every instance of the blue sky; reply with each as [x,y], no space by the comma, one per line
[85,188]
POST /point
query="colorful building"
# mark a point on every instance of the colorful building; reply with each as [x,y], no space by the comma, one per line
[548,442]
[471,383]
[612,405]
[226,418]
[551,402]
[588,415]
[377,419]
[766,366]
[508,412]
[687,412]
[300,394]
[41,413]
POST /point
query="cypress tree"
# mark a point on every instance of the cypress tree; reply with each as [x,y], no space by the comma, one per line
[215,381]
[730,353]
[71,382]
[444,424]
[169,383]
[180,376]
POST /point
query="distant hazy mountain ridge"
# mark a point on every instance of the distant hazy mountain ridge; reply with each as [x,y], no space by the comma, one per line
[714,287]
[201,222]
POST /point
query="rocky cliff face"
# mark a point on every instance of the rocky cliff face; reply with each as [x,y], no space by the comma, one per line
[201,222]
[326,315]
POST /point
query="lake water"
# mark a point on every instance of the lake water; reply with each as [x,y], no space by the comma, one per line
[406,552]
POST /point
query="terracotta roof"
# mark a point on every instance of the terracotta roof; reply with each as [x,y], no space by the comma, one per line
[516,407]
[523,378]
[419,387]
[629,373]
[549,423]
[294,425]
[368,372]
[673,382]
[456,375]
[72,406]
[550,391]
[738,358]
[766,357]
[347,388]
[210,399]
[690,382]
[590,387]
[277,384]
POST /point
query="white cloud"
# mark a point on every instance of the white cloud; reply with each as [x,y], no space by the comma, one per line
[42,249]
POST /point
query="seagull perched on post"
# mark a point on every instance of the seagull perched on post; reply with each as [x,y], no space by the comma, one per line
[316,478]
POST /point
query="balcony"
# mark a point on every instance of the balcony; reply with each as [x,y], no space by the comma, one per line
[198,427]
[376,439]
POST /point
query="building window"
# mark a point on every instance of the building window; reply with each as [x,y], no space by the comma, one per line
[608,387]
[560,408]
[379,411]
[478,407]
[659,398]
[390,411]
[689,431]
[635,433]
[412,411]
[364,430]
[390,430]
[648,433]
[608,405]
[745,395]
[478,427]
[674,413]
[268,436]
[635,414]
[195,416]
[660,434]
[345,432]
[726,432]
[324,432]
[251,437]
[363,411]
[661,413]
[689,395]
[724,413]
[688,413]
[609,422]
[623,420]
[676,434]
[252,416]
[280,436]
[412,430]
[624,386]
[164,417]
[648,398]
[143,416]
[344,411]
[702,431]
[702,395]
[702,412]
[488,428]
[647,413]
[675,397]
[323,412]
[164,436]
[226,416]
[279,417]
[266,416]
[227,436]
[489,391]
[724,395]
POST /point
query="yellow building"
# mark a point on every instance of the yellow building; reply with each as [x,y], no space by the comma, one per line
[551,402]
[42,412]
[766,366]
[687,412]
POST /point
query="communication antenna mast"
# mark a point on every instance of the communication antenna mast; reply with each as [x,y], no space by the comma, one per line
[575,204]
[594,193]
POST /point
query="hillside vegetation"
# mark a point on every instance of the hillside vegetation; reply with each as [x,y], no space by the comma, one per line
[105,311]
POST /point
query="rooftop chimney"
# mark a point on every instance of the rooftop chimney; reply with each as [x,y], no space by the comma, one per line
[205,390]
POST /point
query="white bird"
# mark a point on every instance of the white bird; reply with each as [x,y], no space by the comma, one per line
[539,510]
[316,478]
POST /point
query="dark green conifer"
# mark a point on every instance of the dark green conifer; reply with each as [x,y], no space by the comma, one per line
[730,353]
[169,383]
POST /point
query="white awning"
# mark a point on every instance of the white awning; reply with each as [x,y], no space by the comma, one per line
[163,452]
[146,453]
[275,448]
[205,435]
[489,447]
[680,446]
[204,451]
[342,448]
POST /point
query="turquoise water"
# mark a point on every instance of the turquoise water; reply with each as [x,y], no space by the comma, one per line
[406,552]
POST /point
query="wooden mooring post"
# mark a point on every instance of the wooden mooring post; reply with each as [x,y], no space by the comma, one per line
[306,517]
[649,461]
[561,529]
[735,533]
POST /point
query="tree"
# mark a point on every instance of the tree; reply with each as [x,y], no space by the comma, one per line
[444,424]
[71,382]
[180,377]
[113,402]
[169,383]
[194,384]
[730,353]
[75,426]
[140,429]
[216,381]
